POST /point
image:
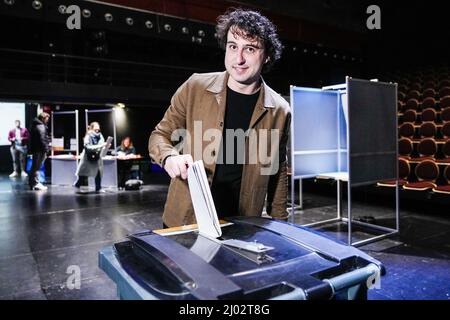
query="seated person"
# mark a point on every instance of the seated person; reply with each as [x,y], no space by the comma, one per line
[126,150]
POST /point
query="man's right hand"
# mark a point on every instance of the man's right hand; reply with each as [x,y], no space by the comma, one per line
[176,166]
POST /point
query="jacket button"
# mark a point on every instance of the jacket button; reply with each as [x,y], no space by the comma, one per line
[213,153]
[221,124]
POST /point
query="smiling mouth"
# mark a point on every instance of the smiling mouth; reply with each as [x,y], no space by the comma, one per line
[240,68]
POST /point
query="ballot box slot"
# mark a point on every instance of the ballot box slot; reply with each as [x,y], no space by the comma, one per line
[148,271]
[277,291]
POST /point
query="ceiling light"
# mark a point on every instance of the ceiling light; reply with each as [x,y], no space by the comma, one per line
[149,24]
[108,17]
[37,5]
[86,13]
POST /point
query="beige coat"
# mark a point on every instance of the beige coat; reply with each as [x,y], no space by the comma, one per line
[202,98]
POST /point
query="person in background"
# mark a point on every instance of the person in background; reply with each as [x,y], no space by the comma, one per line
[91,163]
[124,151]
[19,138]
[39,148]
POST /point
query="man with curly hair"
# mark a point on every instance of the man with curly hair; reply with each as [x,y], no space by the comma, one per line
[240,116]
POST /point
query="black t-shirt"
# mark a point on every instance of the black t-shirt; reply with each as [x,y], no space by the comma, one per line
[228,174]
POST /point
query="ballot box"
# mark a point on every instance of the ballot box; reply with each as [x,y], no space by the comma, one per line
[255,258]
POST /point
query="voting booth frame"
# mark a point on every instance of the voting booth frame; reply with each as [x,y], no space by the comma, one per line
[346,132]
[64,168]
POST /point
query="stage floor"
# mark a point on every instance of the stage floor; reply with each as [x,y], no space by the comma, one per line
[45,236]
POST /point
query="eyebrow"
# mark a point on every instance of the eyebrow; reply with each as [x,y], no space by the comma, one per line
[247,45]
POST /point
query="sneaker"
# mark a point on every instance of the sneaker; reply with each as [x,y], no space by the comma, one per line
[13,175]
[84,189]
[24,174]
[100,191]
[40,186]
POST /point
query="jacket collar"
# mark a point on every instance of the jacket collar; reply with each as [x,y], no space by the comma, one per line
[219,85]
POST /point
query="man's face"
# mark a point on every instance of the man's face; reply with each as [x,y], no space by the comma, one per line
[45,119]
[17,124]
[244,58]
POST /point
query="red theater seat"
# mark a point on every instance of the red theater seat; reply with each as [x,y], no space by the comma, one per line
[427,130]
[445,130]
[405,148]
[403,172]
[414,94]
[406,130]
[429,102]
[445,152]
[445,115]
[445,188]
[427,173]
[429,115]
[445,91]
[410,116]
[412,104]
[427,149]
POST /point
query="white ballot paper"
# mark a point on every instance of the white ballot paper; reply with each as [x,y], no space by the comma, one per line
[107,146]
[205,211]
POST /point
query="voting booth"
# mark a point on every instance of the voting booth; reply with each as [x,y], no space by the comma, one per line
[346,132]
[65,146]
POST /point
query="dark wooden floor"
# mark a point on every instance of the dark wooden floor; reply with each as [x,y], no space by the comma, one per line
[43,234]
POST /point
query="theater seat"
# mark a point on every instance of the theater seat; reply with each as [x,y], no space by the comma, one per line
[445,130]
[428,130]
[445,152]
[403,172]
[428,103]
[427,173]
[405,148]
[445,91]
[445,188]
[429,115]
[412,104]
[430,92]
[410,116]
[427,149]
[406,130]
[445,114]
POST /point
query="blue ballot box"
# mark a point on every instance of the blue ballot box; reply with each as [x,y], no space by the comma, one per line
[277,260]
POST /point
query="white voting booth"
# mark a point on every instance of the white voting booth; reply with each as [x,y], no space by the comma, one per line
[65,147]
[346,132]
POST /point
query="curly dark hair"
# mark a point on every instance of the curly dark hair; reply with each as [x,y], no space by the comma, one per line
[254,25]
